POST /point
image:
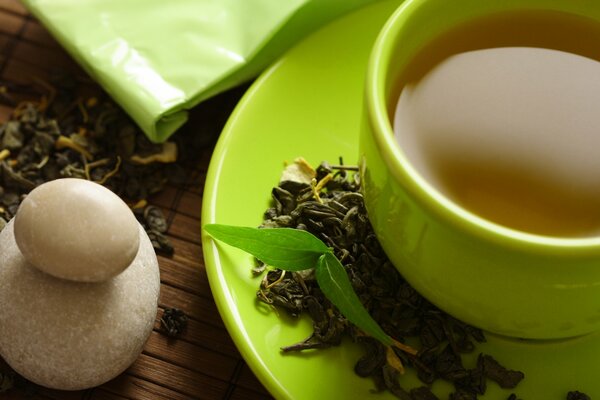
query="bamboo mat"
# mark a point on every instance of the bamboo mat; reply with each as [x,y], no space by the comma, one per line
[203,363]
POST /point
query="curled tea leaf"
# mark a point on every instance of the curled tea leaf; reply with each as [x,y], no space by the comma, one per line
[173,322]
[577,395]
[7,381]
[506,378]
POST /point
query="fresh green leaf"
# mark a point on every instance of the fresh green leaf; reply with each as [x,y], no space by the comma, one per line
[294,250]
[285,248]
[334,283]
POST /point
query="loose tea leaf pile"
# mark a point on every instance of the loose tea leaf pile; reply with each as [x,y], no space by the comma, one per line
[68,127]
[328,204]
[66,134]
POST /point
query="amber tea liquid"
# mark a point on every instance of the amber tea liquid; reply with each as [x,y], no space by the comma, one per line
[502,116]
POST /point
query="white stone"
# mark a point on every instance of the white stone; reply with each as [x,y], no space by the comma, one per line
[73,335]
[76,229]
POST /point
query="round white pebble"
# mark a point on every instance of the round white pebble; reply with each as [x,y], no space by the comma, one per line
[76,229]
[71,335]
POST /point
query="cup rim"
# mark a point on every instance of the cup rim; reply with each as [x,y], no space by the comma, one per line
[421,190]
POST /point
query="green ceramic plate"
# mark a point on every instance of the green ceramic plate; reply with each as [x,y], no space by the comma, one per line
[309,104]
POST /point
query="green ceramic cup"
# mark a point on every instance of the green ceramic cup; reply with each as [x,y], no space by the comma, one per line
[502,280]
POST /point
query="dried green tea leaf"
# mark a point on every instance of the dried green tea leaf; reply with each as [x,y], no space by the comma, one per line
[334,283]
[299,171]
[12,137]
[463,395]
[507,379]
[155,219]
[7,381]
[284,248]
[577,395]
[173,322]
[422,393]
[14,179]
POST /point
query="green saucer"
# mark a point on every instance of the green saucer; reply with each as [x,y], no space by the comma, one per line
[309,104]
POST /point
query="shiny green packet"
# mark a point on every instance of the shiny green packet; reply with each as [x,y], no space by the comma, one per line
[159,58]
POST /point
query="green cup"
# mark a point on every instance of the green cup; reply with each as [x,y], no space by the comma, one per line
[496,278]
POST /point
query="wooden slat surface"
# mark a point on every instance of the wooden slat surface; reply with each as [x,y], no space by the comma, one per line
[203,362]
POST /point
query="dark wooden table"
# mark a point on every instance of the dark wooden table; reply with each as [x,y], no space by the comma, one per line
[203,363]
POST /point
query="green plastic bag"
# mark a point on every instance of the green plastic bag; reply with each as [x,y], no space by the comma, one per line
[159,58]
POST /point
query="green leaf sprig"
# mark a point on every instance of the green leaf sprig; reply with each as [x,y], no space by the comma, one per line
[296,250]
